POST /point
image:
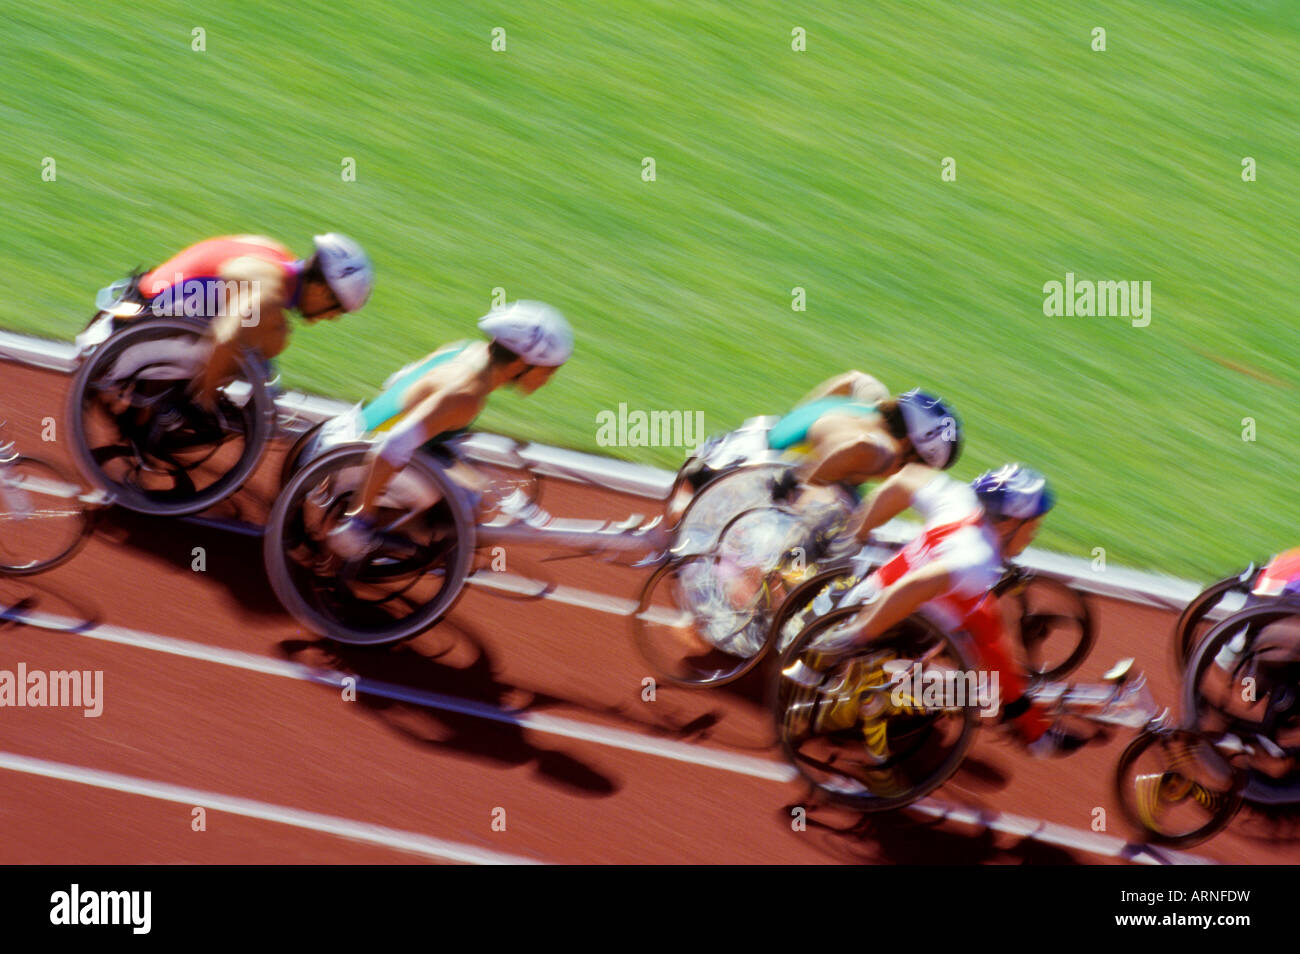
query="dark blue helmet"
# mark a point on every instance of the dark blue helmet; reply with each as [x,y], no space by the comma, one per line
[1013,491]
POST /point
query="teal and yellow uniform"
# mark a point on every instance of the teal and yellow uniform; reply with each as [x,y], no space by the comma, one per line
[791,432]
[383,412]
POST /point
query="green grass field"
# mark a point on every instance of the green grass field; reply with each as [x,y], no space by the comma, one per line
[775,169]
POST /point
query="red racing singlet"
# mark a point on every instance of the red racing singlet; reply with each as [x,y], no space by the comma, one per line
[201,263]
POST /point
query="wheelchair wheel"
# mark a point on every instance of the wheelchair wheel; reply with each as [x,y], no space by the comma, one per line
[1176,788]
[43,518]
[1192,625]
[398,590]
[1244,679]
[699,622]
[137,435]
[855,734]
[1052,622]
[790,618]
[720,500]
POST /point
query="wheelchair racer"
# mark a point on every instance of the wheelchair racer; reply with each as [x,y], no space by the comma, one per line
[443,394]
[243,285]
[946,573]
[848,430]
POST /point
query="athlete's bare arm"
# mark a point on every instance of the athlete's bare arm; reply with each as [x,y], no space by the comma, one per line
[889,500]
[902,599]
[253,318]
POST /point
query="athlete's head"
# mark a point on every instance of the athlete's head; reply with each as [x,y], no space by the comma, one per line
[927,427]
[337,278]
[1015,499]
[529,338]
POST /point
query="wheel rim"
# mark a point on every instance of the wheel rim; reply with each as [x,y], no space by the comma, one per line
[1176,788]
[137,436]
[393,593]
[1244,679]
[1054,627]
[697,625]
[42,519]
[882,756]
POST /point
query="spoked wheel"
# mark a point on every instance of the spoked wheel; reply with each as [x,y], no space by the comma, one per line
[741,489]
[700,622]
[1244,680]
[858,731]
[1052,621]
[406,585]
[44,518]
[137,435]
[1192,625]
[1175,787]
[814,596]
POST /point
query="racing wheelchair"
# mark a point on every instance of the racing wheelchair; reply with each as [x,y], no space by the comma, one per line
[915,705]
[1239,738]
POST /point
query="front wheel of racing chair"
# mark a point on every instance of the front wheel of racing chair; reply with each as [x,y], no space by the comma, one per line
[855,728]
[1176,787]
[137,435]
[45,517]
[426,543]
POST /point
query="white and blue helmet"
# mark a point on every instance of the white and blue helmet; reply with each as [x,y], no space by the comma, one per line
[533,330]
[346,269]
[932,427]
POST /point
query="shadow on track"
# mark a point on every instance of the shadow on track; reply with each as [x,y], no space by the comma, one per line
[902,838]
[460,705]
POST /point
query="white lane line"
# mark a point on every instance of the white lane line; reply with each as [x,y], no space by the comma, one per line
[329,824]
[1053,834]
[1062,835]
[553,725]
[572,596]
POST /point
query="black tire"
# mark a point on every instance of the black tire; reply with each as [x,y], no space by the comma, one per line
[255,417]
[293,457]
[47,523]
[1170,769]
[1209,715]
[392,595]
[1188,631]
[1048,611]
[949,731]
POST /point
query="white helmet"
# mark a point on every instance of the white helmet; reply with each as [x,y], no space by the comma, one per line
[932,427]
[531,329]
[346,269]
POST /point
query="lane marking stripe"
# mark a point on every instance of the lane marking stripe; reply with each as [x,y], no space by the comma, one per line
[329,824]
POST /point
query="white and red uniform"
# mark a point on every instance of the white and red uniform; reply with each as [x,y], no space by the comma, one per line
[956,535]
